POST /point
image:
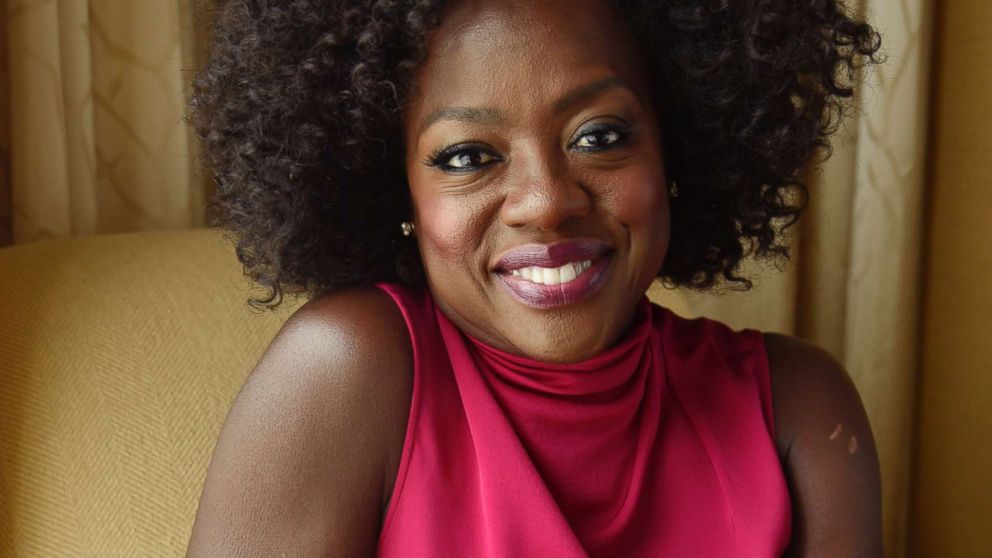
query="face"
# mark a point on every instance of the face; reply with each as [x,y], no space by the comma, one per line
[535,170]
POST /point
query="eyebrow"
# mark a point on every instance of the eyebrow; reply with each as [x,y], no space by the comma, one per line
[463,114]
[586,91]
[475,115]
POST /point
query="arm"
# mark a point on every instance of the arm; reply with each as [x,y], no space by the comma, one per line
[827,451]
[307,457]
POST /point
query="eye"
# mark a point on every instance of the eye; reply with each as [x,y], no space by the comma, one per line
[462,158]
[600,138]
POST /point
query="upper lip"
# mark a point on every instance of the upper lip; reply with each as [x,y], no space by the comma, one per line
[551,255]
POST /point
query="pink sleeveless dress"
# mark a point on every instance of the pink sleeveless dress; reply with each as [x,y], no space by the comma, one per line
[660,446]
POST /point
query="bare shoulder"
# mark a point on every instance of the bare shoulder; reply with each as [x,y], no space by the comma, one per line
[306,457]
[827,450]
[358,330]
[808,386]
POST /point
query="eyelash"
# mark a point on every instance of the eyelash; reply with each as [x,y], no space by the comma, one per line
[440,157]
[622,132]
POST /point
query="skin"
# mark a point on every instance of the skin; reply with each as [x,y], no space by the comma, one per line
[827,451]
[306,461]
[529,101]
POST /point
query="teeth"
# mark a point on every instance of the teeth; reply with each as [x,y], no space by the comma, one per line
[567,273]
[553,276]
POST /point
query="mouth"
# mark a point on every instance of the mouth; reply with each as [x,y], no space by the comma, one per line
[546,276]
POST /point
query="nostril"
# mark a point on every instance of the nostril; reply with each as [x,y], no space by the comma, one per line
[546,204]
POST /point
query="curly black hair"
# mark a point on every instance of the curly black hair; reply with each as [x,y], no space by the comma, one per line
[298,109]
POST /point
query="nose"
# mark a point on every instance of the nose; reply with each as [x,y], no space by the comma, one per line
[544,195]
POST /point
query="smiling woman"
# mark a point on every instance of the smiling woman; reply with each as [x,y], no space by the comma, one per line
[478,194]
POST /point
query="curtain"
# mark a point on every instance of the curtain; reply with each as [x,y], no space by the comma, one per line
[952,480]
[854,283]
[5,201]
[95,141]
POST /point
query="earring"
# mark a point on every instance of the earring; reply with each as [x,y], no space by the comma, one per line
[407,228]
[673,189]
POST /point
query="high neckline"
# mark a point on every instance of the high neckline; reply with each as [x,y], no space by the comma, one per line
[602,373]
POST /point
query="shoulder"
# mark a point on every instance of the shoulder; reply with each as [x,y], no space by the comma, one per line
[351,348]
[807,383]
[312,437]
[350,345]
[827,451]
[351,327]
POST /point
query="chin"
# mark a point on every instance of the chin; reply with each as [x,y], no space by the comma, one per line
[562,336]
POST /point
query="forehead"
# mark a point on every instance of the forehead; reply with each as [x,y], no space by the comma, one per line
[508,50]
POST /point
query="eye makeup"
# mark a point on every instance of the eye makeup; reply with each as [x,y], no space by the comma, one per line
[462,158]
[601,137]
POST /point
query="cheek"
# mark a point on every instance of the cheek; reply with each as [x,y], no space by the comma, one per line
[639,200]
[640,206]
[450,229]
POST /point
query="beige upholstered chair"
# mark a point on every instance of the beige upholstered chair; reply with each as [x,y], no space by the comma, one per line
[119,358]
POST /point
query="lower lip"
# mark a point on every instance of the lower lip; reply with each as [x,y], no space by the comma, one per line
[543,297]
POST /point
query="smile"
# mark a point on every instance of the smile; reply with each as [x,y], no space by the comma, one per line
[548,276]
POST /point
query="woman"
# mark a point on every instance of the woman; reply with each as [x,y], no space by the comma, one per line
[479,193]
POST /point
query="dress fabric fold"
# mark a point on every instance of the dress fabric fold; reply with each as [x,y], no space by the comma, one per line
[662,445]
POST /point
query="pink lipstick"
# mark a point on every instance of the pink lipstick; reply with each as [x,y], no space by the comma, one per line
[550,275]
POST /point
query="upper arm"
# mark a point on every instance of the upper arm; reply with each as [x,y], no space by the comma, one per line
[301,465]
[827,451]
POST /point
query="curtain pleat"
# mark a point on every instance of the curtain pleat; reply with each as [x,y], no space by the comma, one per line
[5,193]
[882,329]
[97,94]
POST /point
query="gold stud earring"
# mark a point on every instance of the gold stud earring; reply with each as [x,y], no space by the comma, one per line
[407,228]
[673,189]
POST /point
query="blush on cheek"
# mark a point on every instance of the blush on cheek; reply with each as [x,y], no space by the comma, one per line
[450,231]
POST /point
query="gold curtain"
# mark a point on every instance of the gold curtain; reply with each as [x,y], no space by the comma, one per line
[95,141]
[854,286]
[5,208]
[952,485]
